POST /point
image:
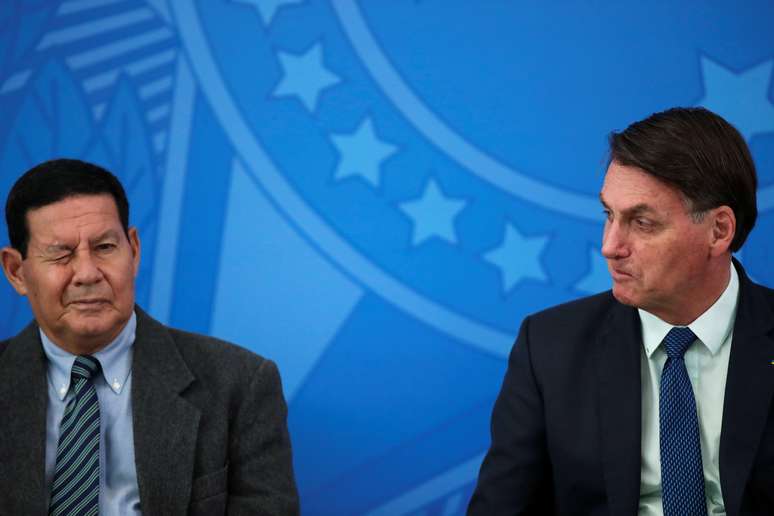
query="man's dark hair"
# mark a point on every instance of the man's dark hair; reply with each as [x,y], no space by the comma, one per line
[53,181]
[700,154]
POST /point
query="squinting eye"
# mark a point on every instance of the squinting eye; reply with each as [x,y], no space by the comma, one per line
[106,247]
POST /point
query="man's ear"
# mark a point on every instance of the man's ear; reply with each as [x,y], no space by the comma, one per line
[12,267]
[134,244]
[723,227]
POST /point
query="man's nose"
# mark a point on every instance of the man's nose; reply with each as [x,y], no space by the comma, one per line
[614,241]
[85,270]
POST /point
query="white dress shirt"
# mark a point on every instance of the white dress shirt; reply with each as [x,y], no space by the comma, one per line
[707,363]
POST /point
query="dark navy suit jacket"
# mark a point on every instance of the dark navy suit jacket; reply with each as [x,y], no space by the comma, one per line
[566,424]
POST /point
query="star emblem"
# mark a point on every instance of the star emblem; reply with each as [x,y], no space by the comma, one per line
[433,214]
[305,76]
[361,153]
[267,8]
[741,98]
[518,257]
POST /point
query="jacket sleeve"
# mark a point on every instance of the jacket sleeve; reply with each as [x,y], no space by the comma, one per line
[260,470]
[515,476]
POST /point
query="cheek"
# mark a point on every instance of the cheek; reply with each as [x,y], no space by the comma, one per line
[47,286]
[666,262]
[655,263]
[123,283]
[47,295]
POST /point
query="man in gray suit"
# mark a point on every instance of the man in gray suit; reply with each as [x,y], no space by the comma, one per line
[102,408]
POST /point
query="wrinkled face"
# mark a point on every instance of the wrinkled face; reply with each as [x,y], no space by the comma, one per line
[658,256]
[79,271]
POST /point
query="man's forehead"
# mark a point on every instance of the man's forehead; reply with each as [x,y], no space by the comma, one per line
[78,198]
[56,239]
[75,205]
[74,214]
[628,188]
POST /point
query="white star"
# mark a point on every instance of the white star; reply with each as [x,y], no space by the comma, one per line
[741,98]
[518,257]
[267,8]
[433,214]
[598,278]
[361,153]
[305,76]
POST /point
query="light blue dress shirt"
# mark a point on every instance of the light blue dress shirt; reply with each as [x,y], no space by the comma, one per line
[118,491]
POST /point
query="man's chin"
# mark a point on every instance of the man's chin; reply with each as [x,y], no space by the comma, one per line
[92,331]
[95,325]
[624,295]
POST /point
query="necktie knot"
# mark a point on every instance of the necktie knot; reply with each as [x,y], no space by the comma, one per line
[677,341]
[85,367]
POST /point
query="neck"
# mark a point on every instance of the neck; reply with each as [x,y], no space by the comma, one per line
[83,348]
[80,344]
[700,296]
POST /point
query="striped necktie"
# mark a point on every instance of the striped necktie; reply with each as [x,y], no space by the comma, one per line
[682,475]
[75,490]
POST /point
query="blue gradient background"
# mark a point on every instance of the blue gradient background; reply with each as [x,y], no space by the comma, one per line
[371,193]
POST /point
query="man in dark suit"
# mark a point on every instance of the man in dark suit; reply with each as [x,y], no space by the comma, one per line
[656,397]
[103,409]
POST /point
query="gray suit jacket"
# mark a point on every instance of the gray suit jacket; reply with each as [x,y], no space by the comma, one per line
[209,419]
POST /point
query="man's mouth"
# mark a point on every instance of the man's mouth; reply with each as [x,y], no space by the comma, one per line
[88,303]
[619,274]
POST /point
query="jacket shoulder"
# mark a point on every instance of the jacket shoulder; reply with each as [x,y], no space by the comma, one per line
[27,336]
[576,314]
[763,292]
[216,363]
[222,365]
[212,350]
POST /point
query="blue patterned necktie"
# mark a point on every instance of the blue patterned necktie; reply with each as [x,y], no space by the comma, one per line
[75,490]
[682,474]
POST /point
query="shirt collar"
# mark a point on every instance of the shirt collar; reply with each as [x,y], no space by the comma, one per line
[711,328]
[115,359]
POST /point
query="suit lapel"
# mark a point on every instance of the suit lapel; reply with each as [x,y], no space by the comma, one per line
[618,369]
[23,400]
[749,391]
[165,424]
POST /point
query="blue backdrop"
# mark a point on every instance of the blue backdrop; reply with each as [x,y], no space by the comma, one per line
[371,193]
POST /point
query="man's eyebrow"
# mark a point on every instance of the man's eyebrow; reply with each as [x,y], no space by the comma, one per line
[57,248]
[110,233]
[637,209]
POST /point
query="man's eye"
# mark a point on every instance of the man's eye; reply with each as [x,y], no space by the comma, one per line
[106,247]
[643,223]
[607,214]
